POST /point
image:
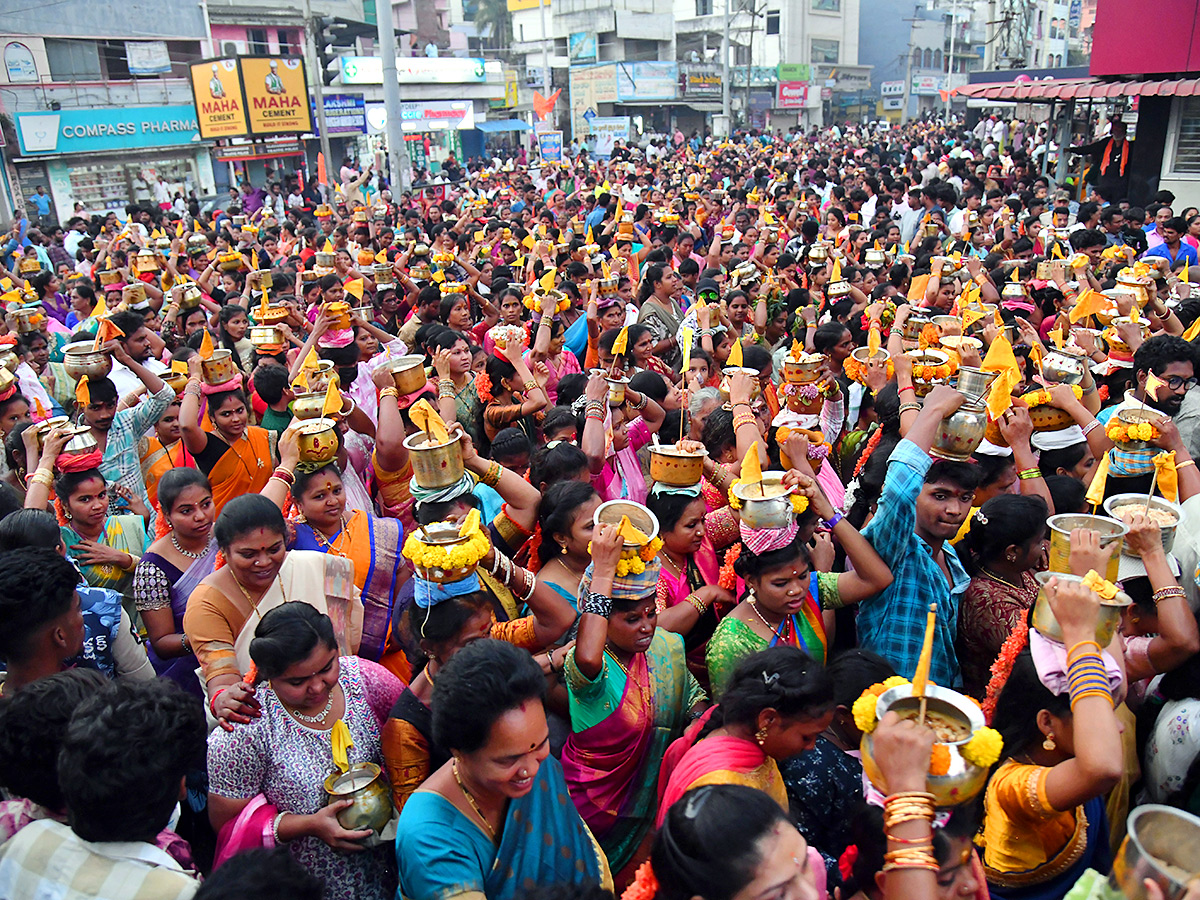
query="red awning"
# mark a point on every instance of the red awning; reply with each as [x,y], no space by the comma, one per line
[1081,89]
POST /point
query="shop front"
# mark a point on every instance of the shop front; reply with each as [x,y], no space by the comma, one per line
[106,159]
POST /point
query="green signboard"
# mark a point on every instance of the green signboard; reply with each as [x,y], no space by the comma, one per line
[794,72]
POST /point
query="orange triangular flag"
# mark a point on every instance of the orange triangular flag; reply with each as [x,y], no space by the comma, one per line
[837,271]
[921,676]
[735,355]
[916,289]
[1058,337]
[206,345]
[179,229]
[751,467]
[328,248]
[1089,303]
[41,414]
[333,401]
[970,317]
[547,280]
[873,341]
[543,105]
[1153,383]
[1000,396]
[83,396]
[1000,357]
[1192,331]
[621,343]
[381,256]
[354,288]
[254,260]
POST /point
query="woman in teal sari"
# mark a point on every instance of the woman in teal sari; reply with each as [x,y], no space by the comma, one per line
[496,819]
[630,691]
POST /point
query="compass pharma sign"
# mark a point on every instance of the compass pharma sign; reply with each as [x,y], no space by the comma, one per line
[251,96]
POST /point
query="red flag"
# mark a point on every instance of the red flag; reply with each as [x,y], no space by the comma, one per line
[322,176]
[543,105]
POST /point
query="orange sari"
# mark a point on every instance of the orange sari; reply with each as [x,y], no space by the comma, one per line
[245,468]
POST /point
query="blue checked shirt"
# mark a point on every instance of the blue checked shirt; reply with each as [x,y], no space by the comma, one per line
[122,464]
[892,623]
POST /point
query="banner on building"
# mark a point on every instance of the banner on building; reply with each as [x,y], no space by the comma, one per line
[794,72]
[276,94]
[344,114]
[550,146]
[647,81]
[220,106]
[148,57]
[582,46]
[607,130]
[700,80]
[791,95]
[891,89]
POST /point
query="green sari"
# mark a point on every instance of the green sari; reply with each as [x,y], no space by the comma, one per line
[126,533]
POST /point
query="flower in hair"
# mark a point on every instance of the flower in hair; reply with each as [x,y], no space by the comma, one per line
[483,387]
[644,886]
[1002,667]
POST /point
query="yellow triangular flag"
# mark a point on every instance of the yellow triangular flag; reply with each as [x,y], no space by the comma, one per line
[179,366]
[438,277]
[300,385]
[1000,395]
[1089,303]
[1000,357]
[471,524]
[254,260]
[916,288]
[1058,337]
[837,271]
[206,345]
[751,467]
[873,341]
[341,743]
[354,288]
[333,401]
[547,280]
[604,270]
[621,343]
[528,242]
[588,239]
[735,355]
[1095,492]
[381,256]
[1192,331]
[312,361]
[179,229]
[1056,251]
[996,318]
[426,418]
[687,350]
[1153,383]
[921,676]
[82,395]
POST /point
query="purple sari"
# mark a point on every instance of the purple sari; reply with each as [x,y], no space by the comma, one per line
[181,669]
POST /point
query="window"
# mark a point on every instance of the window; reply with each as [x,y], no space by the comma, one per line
[289,43]
[916,60]
[113,60]
[928,61]
[741,56]
[937,59]
[824,51]
[73,60]
[256,41]
[772,21]
[827,5]
[704,7]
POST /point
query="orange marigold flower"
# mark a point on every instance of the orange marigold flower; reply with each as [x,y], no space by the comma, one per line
[939,760]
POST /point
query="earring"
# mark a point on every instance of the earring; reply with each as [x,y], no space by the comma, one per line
[1011,558]
[1048,743]
[564,551]
[760,736]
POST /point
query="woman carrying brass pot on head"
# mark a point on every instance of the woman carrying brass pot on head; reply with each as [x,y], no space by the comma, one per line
[267,777]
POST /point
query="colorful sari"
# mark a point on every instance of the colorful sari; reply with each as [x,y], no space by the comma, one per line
[692,762]
[373,545]
[702,569]
[734,640]
[157,460]
[220,627]
[154,573]
[244,468]
[1033,851]
[125,533]
[623,726]
[443,854]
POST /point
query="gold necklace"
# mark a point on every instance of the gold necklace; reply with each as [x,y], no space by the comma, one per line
[245,593]
[325,542]
[475,806]
[671,564]
[628,677]
[774,629]
[992,575]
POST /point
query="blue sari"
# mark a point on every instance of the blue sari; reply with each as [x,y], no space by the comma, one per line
[442,854]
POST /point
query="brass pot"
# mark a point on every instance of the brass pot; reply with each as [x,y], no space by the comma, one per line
[367,313]
[81,358]
[110,276]
[818,254]
[365,785]
[1138,501]
[218,368]
[308,406]
[963,780]
[272,315]
[805,370]
[1044,270]
[874,259]
[239,221]
[728,372]
[837,290]
[1110,531]
[913,325]
[267,336]
[324,258]
[82,441]
[1106,625]
[961,432]
[408,373]
[189,296]
[1161,844]
[338,313]
[133,294]
[1049,418]
[1128,283]
[1013,290]
[612,511]
[767,504]
[323,377]
[1113,338]
[266,280]
[28,320]
[435,465]
[383,272]
[147,260]
[616,390]
[444,534]
[679,468]
[1135,416]
[308,276]
[176,381]
[230,262]
[318,440]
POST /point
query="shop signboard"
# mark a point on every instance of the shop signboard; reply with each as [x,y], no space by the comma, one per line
[700,80]
[518,5]
[581,46]
[418,70]
[791,95]
[607,130]
[105,129]
[760,76]
[437,115]
[891,89]
[276,94]
[258,150]
[892,103]
[550,146]
[794,72]
[220,106]
[925,85]
[589,86]
[344,114]
[647,81]
[20,64]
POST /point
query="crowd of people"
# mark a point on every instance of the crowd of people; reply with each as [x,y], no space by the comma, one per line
[585,532]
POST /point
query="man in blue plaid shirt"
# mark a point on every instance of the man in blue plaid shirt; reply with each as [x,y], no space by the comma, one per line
[924,503]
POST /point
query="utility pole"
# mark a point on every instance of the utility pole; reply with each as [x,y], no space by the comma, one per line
[397,157]
[314,53]
[907,73]
[725,86]
[546,39]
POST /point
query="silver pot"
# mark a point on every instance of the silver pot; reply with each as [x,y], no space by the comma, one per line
[1139,500]
[974,383]
[960,433]
[1162,844]
[1064,368]
[766,505]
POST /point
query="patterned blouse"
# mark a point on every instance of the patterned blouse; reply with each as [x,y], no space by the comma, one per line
[988,612]
[280,758]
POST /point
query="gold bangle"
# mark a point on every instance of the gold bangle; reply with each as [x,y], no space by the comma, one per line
[389,392]
[492,476]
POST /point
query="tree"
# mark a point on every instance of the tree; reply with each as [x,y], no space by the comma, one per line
[493,18]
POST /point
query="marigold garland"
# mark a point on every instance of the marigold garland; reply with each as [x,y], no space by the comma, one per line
[1002,667]
[634,561]
[939,760]
[483,387]
[446,556]
[1120,433]
[1042,397]
[856,371]
[872,444]
[864,712]
[728,577]
[984,748]
[799,501]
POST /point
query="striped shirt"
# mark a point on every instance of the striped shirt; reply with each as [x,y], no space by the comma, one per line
[47,859]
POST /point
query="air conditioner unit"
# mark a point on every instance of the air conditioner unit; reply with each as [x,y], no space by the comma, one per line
[233,48]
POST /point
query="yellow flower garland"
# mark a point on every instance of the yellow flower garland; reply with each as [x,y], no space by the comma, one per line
[634,561]
[1042,397]
[1141,431]
[799,501]
[984,748]
[446,556]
